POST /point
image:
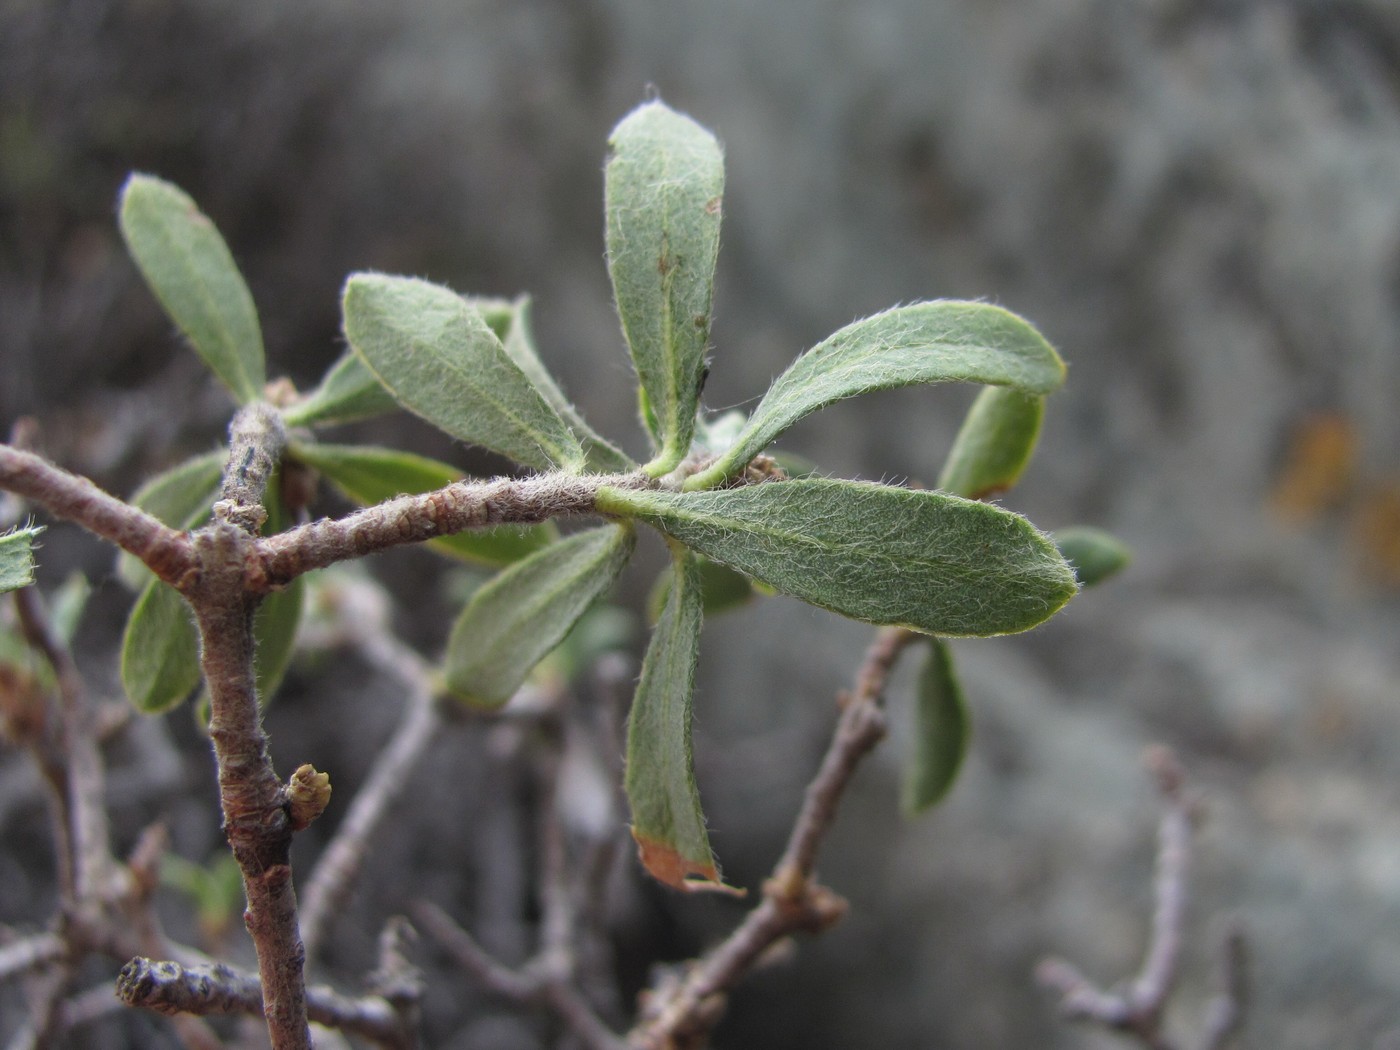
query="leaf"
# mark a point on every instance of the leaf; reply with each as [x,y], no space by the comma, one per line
[188,267]
[17,558]
[934,342]
[278,615]
[442,362]
[941,731]
[721,588]
[519,344]
[667,821]
[663,186]
[1094,555]
[995,443]
[926,560]
[349,391]
[511,623]
[160,650]
[181,497]
[67,606]
[369,475]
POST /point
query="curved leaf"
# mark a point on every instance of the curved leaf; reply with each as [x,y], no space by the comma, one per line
[275,635]
[181,497]
[925,560]
[160,650]
[941,731]
[1094,555]
[188,266]
[17,558]
[721,589]
[369,475]
[349,391]
[934,342]
[995,443]
[442,362]
[663,186]
[513,621]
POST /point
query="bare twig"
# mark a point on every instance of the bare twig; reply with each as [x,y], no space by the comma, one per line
[29,953]
[680,1014]
[256,440]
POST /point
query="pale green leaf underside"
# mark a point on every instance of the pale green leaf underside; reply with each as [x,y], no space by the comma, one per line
[513,621]
[667,821]
[1095,555]
[160,650]
[442,362]
[17,558]
[995,443]
[188,266]
[349,391]
[925,560]
[180,497]
[941,729]
[934,342]
[663,185]
[368,475]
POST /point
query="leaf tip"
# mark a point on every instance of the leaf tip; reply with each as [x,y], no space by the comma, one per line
[665,864]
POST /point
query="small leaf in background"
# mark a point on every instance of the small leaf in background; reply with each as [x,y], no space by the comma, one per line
[995,443]
[511,623]
[1094,555]
[934,342]
[667,821]
[160,650]
[663,186]
[443,362]
[925,560]
[216,889]
[369,475]
[721,588]
[941,731]
[181,497]
[349,391]
[188,267]
[17,558]
[67,605]
[519,344]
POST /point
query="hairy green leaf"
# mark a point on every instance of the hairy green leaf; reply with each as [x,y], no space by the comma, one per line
[160,650]
[926,560]
[349,391]
[180,497]
[1095,555]
[513,621]
[17,558]
[932,342]
[721,587]
[442,362]
[275,634]
[188,266]
[941,731]
[994,444]
[369,475]
[663,186]
[667,821]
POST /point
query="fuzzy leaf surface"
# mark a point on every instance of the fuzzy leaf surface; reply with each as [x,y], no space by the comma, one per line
[368,475]
[160,650]
[941,732]
[17,558]
[995,443]
[925,560]
[442,361]
[189,268]
[513,621]
[663,186]
[349,391]
[933,342]
[181,497]
[1094,555]
[667,822]
[722,589]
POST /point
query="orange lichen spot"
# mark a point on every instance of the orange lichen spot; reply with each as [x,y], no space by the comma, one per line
[666,865]
[1319,469]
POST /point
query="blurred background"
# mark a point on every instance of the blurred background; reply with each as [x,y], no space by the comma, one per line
[1197,201]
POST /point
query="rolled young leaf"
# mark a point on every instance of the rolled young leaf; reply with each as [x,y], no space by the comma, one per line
[17,558]
[160,650]
[442,362]
[667,821]
[513,621]
[663,186]
[1094,554]
[995,443]
[369,475]
[941,730]
[181,497]
[925,560]
[934,342]
[188,267]
[349,391]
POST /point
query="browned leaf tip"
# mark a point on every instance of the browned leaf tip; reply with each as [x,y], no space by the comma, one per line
[666,865]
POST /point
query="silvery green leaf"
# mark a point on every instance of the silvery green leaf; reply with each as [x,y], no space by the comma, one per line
[994,444]
[513,621]
[441,360]
[1094,554]
[160,650]
[17,558]
[925,560]
[663,187]
[188,266]
[941,731]
[181,497]
[934,342]
[349,391]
